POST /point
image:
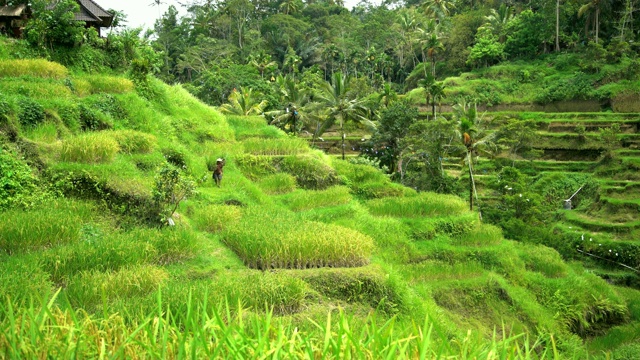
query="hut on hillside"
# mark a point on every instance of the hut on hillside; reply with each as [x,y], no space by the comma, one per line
[93,15]
[13,19]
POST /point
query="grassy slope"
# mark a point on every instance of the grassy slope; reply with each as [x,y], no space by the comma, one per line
[415,255]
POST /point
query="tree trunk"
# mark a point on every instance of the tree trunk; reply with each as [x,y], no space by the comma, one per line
[557,25]
[342,131]
[597,23]
[470,182]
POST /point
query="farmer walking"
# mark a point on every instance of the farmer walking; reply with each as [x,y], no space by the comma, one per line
[217,173]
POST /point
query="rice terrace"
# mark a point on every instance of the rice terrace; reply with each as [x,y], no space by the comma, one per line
[438,179]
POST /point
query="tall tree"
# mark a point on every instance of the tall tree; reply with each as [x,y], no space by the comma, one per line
[592,10]
[340,106]
[244,103]
[474,138]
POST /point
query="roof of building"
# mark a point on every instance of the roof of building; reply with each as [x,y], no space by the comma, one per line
[12,11]
[90,11]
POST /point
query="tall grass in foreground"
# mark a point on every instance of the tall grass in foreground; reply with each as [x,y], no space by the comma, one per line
[50,332]
[273,238]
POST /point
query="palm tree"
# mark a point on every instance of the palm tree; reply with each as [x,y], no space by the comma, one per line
[438,8]
[290,6]
[297,112]
[262,62]
[436,90]
[473,138]
[387,95]
[426,84]
[244,103]
[592,9]
[339,106]
[497,21]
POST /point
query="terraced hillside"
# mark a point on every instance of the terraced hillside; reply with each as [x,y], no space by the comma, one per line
[602,228]
[297,254]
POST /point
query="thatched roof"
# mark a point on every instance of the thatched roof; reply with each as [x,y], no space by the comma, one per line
[13,11]
[90,11]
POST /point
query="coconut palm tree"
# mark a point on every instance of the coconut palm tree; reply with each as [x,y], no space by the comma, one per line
[473,137]
[339,106]
[262,62]
[439,9]
[497,21]
[244,103]
[297,112]
[436,90]
[592,10]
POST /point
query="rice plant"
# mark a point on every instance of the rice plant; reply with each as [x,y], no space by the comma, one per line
[56,224]
[253,126]
[107,84]
[109,252]
[215,218]
[90,289]
[426,204]
[275,184]
[286,241]
[42,331]
[89,148]
[32,67]
[131,141]
[309,199]
[283,146]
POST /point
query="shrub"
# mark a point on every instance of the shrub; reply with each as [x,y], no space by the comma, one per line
[90,148]
[32,67]
[171,187]
[18,186]
[91,119]
[31,112]
[131,141]
[175,156]
[286,241]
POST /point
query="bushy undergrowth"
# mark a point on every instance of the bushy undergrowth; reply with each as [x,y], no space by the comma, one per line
[283,240]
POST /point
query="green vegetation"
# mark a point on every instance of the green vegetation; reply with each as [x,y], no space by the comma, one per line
[115,242]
